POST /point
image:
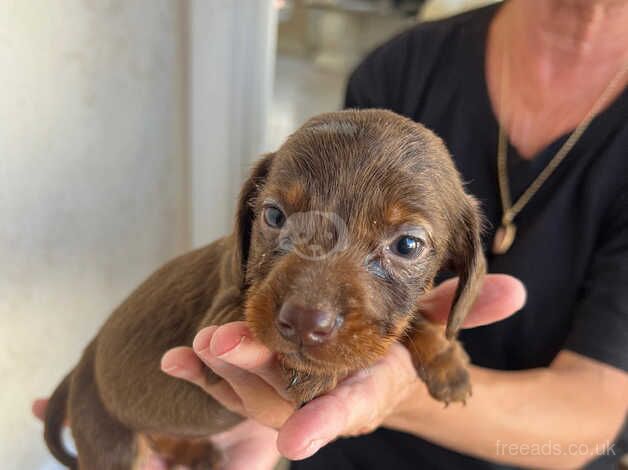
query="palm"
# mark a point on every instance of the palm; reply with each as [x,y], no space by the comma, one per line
[248,445]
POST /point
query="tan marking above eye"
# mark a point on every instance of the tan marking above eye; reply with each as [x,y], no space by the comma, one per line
[397,214]
[294,194]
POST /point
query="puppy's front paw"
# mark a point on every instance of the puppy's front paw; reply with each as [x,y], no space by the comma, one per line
[302,387]
[447,377]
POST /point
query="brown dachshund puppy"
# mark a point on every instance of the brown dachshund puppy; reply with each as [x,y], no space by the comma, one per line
[338,234]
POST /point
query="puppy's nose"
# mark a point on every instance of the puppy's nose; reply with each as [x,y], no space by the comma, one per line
[306,325]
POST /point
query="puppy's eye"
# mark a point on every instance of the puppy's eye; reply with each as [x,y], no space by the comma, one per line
[407,246]
[274,217]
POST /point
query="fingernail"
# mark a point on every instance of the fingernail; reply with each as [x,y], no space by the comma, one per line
[203,339]
[178,372]
[220,348]
[312,447]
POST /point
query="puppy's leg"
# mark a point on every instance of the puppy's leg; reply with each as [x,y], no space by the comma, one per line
[442,364]
[101,441]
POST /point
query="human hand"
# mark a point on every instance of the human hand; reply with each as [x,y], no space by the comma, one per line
[253,387]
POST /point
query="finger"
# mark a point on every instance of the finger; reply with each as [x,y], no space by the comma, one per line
[234,344]
[252,454]
[501,295]
[313,426]
[153,462]
[355,406]
[183,363]
[248,445]
[240,391]
[39,408]
[259,399]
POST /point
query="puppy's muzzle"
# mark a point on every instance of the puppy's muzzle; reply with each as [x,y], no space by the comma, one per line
[306,326]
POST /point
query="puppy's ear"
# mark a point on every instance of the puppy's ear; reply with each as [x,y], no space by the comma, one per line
[245,211]
[467,260]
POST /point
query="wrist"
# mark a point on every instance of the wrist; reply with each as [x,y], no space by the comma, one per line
[410,409]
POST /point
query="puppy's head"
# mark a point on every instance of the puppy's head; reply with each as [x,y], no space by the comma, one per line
[342,230]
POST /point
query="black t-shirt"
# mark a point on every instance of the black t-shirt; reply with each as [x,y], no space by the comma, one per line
[571,249]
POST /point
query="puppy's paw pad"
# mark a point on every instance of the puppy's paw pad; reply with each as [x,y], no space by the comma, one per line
[447,377]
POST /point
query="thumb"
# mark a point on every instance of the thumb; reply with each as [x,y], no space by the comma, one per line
[501,295]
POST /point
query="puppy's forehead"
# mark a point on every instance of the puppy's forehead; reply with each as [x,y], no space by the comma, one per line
[335,127]
[351,161]
[362,141]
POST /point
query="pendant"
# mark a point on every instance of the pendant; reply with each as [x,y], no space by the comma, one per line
[504,237]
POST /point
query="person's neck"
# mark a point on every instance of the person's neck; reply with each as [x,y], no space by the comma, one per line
[572,35]
[556,58]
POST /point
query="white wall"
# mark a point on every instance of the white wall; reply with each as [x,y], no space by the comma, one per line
[92,194]
[229,103]
[125,129]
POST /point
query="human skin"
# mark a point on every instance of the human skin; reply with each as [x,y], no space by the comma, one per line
[550,48]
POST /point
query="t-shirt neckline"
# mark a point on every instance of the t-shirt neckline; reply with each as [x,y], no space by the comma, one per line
[609,117]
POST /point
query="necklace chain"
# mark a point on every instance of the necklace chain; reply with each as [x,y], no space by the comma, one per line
[510,210]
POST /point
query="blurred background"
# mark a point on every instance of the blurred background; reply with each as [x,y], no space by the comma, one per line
[126,129]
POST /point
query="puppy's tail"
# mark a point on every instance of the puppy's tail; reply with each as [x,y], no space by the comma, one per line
[53,424]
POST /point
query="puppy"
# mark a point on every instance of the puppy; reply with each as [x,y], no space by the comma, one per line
[337,237]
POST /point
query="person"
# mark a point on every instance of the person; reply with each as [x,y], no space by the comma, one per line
[530,97]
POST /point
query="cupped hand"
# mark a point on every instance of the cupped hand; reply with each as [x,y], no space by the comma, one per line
[252,384]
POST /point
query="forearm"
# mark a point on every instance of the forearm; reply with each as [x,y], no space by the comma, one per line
[550,417]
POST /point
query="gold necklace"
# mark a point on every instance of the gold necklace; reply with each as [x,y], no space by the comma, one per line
[506,233]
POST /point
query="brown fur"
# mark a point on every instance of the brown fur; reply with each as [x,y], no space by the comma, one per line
[377,173]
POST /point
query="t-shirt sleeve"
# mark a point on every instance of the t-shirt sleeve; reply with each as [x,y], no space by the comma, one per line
[600,328]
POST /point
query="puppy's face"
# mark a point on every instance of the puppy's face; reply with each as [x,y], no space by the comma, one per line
[343,230]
